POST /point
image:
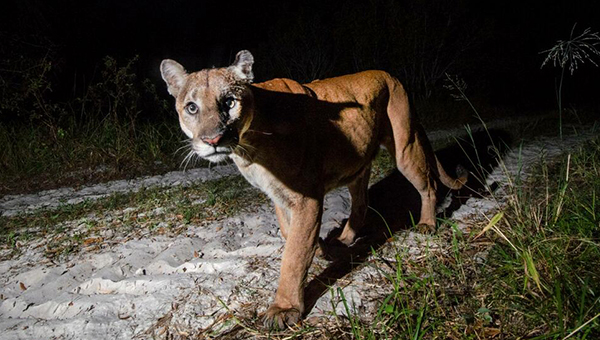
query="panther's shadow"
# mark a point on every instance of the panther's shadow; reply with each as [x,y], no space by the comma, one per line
[394,199]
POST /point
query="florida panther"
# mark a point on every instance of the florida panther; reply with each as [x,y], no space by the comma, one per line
[298,141]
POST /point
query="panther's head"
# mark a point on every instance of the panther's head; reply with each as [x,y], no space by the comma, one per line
[214,105]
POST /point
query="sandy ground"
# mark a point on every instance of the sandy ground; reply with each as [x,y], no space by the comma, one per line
[150,286]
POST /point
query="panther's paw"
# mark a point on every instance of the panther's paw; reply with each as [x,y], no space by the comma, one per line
[277,317]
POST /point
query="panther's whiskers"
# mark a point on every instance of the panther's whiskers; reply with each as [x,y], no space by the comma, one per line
[263,132]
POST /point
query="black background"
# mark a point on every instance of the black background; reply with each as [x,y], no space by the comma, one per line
[502,64]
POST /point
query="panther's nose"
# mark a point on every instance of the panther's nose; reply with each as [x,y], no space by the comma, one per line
[212,141]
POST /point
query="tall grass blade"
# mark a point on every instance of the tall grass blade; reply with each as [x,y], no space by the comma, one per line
[580,327]
[491,224]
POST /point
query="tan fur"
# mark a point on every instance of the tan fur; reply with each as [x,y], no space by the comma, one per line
[296,142]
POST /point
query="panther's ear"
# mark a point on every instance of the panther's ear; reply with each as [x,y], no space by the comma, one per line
[174,75]
[242,66]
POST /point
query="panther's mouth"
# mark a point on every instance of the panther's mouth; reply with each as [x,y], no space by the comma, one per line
[220,151]
[217,155]
[217,152]
[218,146]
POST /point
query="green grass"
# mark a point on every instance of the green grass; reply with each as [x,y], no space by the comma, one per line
[84,153]
[549,274]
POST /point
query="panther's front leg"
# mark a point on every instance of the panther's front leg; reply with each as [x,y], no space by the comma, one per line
[302,235]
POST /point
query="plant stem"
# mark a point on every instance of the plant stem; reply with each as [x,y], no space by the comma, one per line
[559,99]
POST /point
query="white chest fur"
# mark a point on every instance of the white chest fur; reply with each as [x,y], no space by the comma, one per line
[263,179]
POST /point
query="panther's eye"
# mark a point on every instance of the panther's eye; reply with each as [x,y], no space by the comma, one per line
[191,108]
[229,102]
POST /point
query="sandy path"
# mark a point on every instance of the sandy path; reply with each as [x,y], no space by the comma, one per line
[143,287]
[11,205]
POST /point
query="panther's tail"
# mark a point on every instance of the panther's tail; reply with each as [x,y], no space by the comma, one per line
[452,183]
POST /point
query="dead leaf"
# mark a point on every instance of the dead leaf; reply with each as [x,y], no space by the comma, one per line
[22,285]
[91,240]
[491,332]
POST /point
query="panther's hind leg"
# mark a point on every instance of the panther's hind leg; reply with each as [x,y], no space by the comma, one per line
[414,164]
[412,152]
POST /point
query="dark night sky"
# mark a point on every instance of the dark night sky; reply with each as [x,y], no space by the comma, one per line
[209,33]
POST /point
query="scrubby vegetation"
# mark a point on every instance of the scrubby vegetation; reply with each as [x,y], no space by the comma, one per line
[114,126]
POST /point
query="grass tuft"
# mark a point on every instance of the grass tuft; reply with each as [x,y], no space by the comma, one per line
[117,126]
